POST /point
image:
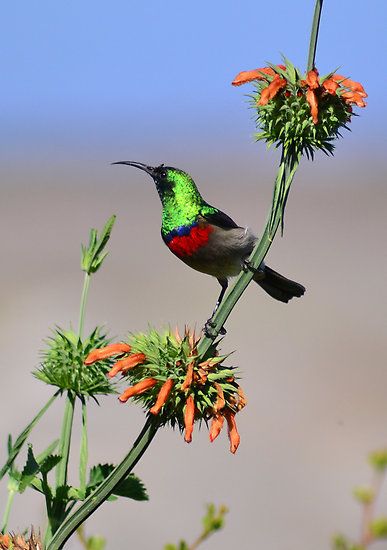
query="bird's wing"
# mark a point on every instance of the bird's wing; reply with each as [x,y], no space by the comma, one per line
[219,218]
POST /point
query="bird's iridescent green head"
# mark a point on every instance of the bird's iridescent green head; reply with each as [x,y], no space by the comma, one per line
[178,193]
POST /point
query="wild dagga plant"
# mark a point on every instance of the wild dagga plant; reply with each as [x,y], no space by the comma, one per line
[178,378]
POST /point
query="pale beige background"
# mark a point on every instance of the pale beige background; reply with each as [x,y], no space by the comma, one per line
[314,371]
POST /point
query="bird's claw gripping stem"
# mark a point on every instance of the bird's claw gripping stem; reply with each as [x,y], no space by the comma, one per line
[209,330]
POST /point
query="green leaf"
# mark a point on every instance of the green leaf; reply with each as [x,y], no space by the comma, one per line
[42,456]
[15,449]
[130,487]
[49,463]
[29,471]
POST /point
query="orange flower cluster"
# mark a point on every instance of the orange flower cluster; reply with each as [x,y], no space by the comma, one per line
[312,86]
[18,542]
[194,378]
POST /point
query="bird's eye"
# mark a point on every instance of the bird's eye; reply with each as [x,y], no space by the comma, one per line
[163,174]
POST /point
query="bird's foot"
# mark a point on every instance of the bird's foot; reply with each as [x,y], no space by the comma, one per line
[258,272]
[210,332]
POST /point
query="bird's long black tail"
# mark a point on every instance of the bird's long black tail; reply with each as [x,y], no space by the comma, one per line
[279,287]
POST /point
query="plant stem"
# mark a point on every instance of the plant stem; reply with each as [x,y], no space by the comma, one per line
[84,449]
[314,34]
[93,501]
[85,291]
[58,511]
[65,440]
[8,506]
[288,166]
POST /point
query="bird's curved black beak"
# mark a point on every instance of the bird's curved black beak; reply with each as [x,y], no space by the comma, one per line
[148,169]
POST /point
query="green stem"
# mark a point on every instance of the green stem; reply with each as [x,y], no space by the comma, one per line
[65,440]
[85,291]
[84,449]
[93,501]
[314,34]
[288,166]
[8,506]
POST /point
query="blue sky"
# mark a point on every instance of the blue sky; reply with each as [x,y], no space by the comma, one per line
[92,73]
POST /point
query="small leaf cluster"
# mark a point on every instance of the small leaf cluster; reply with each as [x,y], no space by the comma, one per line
[63,363]
[213,521]
[168,356]
[93,254]
[286,119]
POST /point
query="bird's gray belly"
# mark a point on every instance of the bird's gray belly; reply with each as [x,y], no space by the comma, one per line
[224,253]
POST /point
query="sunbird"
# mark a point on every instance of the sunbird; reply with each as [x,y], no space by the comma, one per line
[207,239]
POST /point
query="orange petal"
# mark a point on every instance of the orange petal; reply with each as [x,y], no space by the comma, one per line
[220,402]
[271,90]
[348,83]
[189,416]
[232,431]
[330,86]
[216,426]
[312,100]
[163,395]
[138,388]
[103,353]
[354,97]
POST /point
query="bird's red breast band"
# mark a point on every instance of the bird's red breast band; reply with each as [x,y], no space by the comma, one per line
[186,245]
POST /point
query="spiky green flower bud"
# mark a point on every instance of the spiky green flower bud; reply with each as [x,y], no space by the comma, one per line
[63,365]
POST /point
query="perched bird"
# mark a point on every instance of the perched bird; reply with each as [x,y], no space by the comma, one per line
[205,238]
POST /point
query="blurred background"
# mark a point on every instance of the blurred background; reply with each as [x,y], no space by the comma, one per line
[87,83]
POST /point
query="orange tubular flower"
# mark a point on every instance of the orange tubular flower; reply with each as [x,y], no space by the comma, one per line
[109,350]
[137,389]
[272,90]
[354,97]
[216,426]
[348,83]
[220,402]
[312,100]
[5,541]
[123,365]
[189,416]
[232,431]
[330,86]
[189,377]
[242,399]
[256,74]
[312,79]
[162,397]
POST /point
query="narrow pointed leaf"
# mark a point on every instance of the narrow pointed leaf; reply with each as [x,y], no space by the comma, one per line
[24,435]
